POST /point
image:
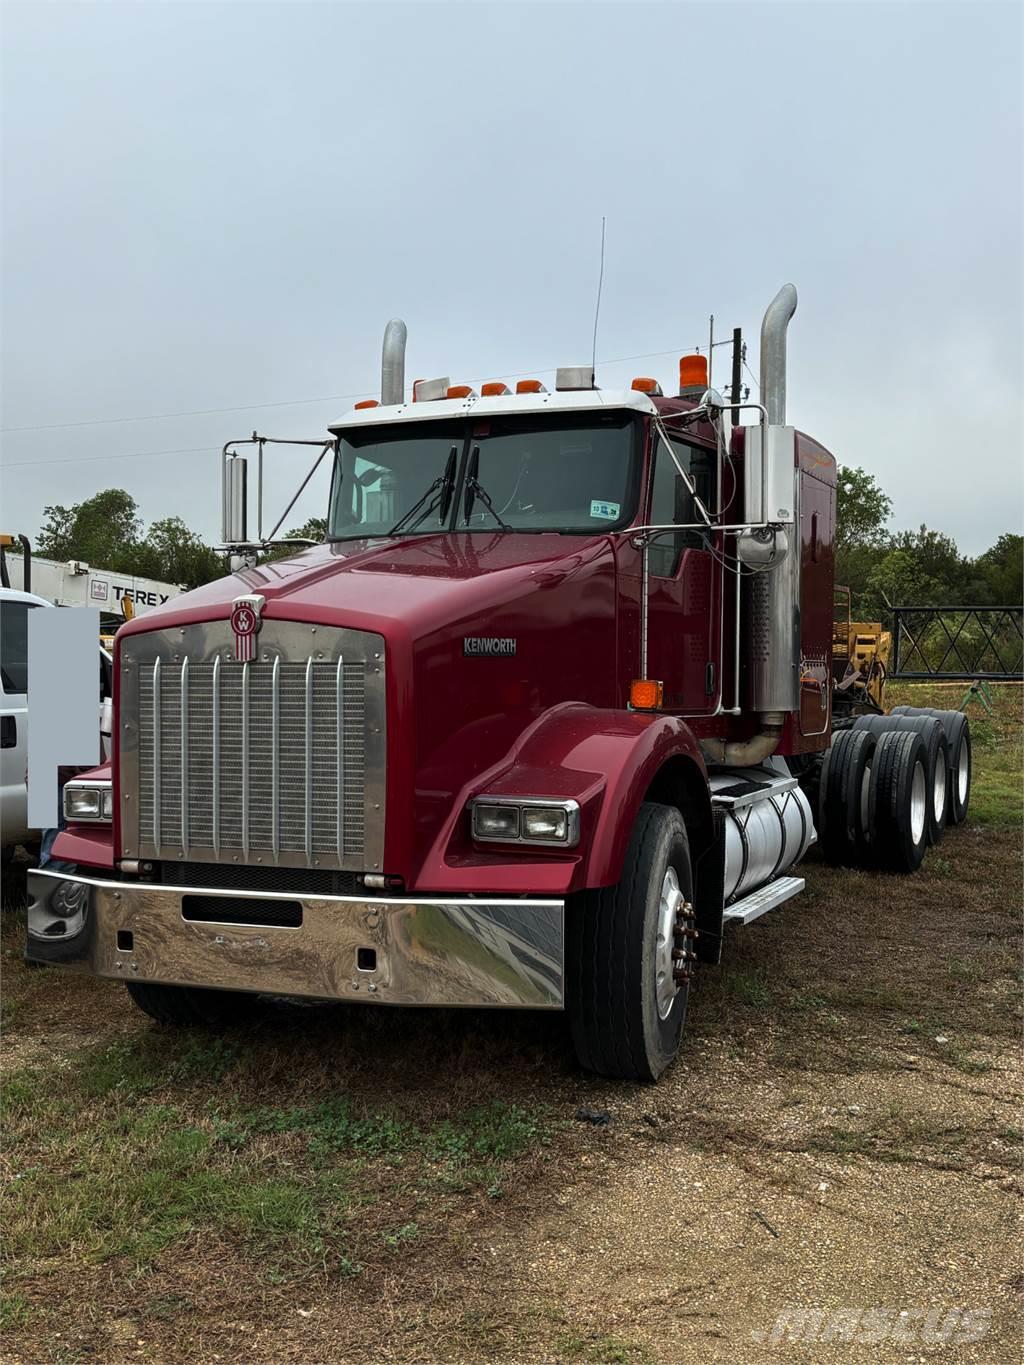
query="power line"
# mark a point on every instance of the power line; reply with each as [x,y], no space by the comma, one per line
[283,403]
[91,459]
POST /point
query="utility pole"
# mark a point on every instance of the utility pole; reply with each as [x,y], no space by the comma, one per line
[737,366]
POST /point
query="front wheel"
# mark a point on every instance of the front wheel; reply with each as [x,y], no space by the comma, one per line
[630,955]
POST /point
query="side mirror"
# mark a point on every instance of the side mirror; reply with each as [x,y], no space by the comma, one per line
[234,497]
[769,474]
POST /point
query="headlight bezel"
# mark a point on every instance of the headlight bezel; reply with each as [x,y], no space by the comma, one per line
[566,812]
[102,792]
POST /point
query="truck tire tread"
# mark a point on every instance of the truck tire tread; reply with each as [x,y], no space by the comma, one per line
[190,1005]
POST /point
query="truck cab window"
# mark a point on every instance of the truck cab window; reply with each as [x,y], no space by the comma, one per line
[557,473]
[382,472]
[14,647]
[672,502]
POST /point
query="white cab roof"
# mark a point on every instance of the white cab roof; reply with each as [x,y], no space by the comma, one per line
[509,404]
[16,595]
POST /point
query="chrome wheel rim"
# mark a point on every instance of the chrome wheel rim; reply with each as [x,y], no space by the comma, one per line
[671,902]
[939,792]
[918,803]
[865,804]
[963,771]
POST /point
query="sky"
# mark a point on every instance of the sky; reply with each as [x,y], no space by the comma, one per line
[219,206]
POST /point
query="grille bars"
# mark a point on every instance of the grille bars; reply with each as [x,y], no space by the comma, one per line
[215,752]
[308,748]
[251,756]
[339,698]
[275,758]
[156,755]
[245,758]
[184,753]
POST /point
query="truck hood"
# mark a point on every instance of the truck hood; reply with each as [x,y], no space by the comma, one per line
[416,584]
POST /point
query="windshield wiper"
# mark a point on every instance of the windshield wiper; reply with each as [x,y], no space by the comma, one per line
[444,482]
[475,489]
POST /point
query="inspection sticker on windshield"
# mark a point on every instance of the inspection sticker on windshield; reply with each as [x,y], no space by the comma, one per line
[607,511]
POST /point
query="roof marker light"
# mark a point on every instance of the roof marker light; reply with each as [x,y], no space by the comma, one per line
[367,403]
[650,386]
[429,390]
[494,389]
[693,374]
[530,386]
[461,391]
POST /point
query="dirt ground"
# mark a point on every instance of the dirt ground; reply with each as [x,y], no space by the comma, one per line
[842,1133]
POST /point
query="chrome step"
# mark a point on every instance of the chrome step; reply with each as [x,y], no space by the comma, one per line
[762,900]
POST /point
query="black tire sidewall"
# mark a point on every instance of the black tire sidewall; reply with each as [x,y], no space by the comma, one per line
[663,845]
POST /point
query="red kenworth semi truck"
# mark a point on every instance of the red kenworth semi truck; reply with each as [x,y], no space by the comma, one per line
[541,715]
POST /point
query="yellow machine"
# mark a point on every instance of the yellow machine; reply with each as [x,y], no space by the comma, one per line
[860,658]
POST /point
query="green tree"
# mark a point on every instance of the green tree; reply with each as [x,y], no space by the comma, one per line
[862,509]
[104,530]
[313,529]
[178,555]
[998,572]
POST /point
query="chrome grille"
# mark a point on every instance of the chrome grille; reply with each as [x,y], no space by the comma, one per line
[276,761]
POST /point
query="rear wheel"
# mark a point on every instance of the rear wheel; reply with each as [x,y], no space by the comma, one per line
[931,731]
[898,801]
[191,1005]
[845,830]
[958,737]
[630,955]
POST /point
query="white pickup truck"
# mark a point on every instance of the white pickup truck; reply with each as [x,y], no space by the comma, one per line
[14,694]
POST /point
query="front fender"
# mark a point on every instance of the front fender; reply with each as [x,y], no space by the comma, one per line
[607,760]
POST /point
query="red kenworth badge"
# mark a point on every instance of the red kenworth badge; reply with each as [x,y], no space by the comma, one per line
[245,622]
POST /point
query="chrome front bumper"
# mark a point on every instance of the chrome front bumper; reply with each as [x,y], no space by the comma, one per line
[479,952]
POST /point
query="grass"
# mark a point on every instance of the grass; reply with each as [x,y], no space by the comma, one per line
[997,740]
[373,1168]
[109,1167]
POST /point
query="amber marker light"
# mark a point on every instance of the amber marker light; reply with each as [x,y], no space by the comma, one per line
[367,403]
[530,386]
[461,391]
[645,694]
[644,385]
[693,372]
[494,389]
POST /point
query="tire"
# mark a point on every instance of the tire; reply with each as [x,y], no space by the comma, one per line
[958,737]
[623,1024]
[898,801]
[845,830]
[193,1006]
[931,731]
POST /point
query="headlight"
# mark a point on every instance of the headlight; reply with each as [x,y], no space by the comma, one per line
[525,820]
[85,801]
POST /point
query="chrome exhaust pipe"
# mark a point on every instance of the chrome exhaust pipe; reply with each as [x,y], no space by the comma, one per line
[392,368]
[773,353]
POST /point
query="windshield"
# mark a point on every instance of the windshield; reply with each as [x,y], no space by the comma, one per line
[572,472]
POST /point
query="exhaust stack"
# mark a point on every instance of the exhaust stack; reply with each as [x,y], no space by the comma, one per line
[392,368]
[773,599]
[773,353]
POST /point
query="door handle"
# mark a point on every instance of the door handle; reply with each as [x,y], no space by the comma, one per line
[8,732]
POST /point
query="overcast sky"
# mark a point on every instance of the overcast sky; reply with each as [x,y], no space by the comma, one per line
[212,206]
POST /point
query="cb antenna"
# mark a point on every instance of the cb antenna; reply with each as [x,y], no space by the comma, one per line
[597,309]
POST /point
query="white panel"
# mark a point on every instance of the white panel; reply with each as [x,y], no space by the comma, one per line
[64,703]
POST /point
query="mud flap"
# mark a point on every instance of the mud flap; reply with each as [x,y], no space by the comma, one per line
[709,879]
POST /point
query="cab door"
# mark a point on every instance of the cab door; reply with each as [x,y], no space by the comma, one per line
[13,720]
[684,583]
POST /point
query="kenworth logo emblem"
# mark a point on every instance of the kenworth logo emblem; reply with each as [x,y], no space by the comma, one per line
[245,622]
[488,644]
